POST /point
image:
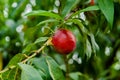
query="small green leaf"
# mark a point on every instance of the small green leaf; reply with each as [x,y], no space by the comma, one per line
[41,39]
[54,69]
[29,72]
[91,8]
[107,7]
[44,13]
[69,5]
[94,44]
[88,49]
[75,75]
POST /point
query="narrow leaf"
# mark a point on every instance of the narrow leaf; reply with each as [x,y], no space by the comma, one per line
[69,5]
[107,7]
[41,39]
[94,44]
[55,71]
[46,21]
[44,13]
[91,8]
[88,49]
[29,72]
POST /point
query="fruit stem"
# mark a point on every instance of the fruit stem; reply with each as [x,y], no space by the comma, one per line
[67,67]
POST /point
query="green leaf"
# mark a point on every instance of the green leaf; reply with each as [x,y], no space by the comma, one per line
[88,49]
[43,75]
[16,59]
[46,21]
[44,13]
[75,75]
[41,65]
[69,5]
[91,8]
[94,44]
[81,26]
[29,72]
[27,50]
[107,7]
[41,39]
[11,74]
[54,69]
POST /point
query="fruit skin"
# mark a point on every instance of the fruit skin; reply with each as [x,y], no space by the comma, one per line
[64,41]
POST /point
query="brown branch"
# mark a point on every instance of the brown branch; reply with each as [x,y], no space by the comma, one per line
[48,42]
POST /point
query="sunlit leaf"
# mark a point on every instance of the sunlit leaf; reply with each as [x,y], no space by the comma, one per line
[54,69]
[29,72]
[41,39]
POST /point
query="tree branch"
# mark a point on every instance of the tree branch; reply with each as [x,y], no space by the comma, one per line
[48,42]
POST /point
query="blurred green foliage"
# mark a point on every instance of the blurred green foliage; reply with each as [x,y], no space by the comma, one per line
[25,25]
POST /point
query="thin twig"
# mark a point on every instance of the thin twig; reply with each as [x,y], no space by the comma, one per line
[29,57]
[6,69]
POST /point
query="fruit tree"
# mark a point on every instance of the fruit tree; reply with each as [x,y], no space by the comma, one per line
[59,40]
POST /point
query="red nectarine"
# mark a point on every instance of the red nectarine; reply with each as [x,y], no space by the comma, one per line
[64,41]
